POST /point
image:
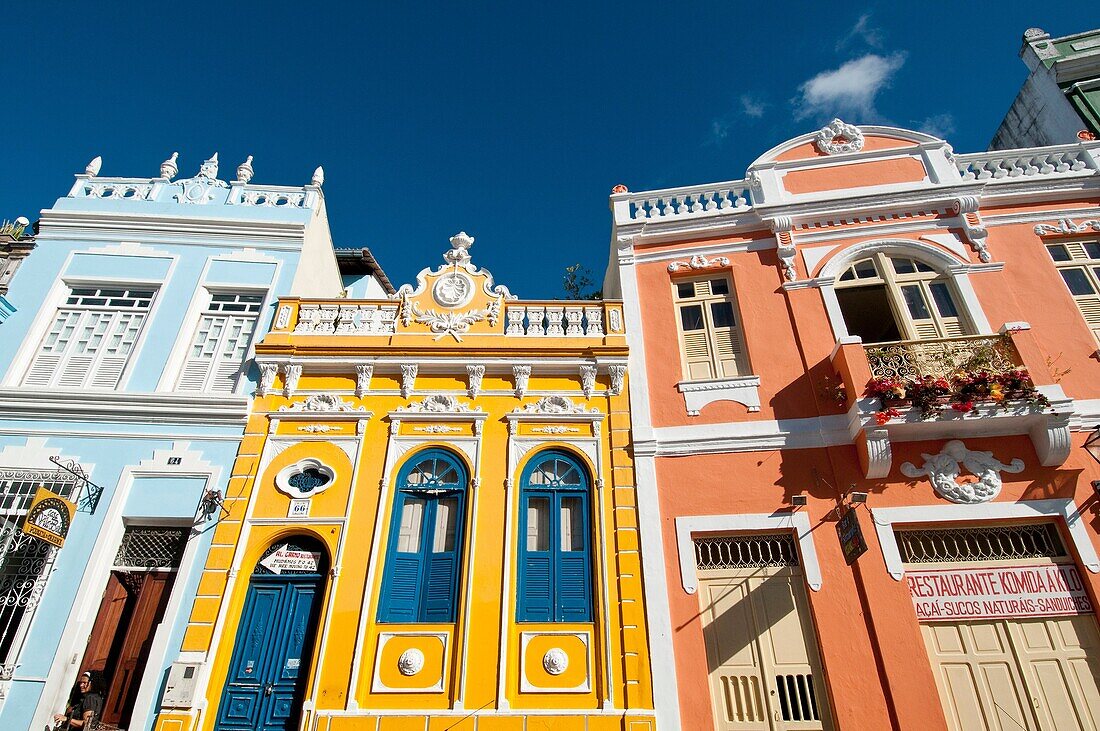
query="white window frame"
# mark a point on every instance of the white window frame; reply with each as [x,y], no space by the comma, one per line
[688,526]
[1089,265]
[59,295]
[208,293]
[955,269]
[886,518]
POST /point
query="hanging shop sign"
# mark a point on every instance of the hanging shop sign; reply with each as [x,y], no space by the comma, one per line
[941,595]
[285,558]
[851,536]
[49,517]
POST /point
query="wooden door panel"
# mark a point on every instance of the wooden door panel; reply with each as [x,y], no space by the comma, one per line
[152,600]
[102,638]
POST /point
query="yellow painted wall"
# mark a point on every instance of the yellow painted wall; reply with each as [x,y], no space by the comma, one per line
[352,518]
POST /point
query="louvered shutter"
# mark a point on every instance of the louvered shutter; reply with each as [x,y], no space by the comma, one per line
[217,353]
[443,549]
[402,577]
[572,566]
[1089,304]
[42,369]
[697,353]
[536,602]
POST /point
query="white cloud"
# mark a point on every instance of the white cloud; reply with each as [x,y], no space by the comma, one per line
[752,107]
[864,31]
[719,130]
[938,125]
[848,90]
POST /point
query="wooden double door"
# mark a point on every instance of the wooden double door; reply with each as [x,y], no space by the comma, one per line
[132,608]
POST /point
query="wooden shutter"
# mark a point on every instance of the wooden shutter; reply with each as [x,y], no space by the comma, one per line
[217,353]
[86,349]
[402,577]
[572,567]
[442,552]
[697,353]
[535,584]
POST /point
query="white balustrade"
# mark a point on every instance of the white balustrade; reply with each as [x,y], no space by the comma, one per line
[346,319]
[271,198]
[1009,164]
[688,202]
[117,190]
[554,320]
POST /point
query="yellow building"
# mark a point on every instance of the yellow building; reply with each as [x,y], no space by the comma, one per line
[431,523]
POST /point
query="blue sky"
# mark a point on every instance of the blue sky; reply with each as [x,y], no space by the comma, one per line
[511,121]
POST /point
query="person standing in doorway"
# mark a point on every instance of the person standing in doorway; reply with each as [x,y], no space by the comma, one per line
[86,708]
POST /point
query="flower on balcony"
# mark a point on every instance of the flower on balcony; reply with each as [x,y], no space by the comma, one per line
[886,414]
[886,388]
[961,392]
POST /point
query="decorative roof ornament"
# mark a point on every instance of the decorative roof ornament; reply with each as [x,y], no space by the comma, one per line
[200,189]
[209,168]
[169,168]
[458,254]
[245,171]
[620,188]
[93,167]
[318,177]
[838,137]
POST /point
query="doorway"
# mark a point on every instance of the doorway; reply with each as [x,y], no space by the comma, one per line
[273,650]
[132,607]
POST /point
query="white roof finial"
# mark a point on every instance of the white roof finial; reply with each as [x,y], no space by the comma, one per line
[245,171]
[169,168]
[209,168]
[460,242]
[93,167]
[318,177]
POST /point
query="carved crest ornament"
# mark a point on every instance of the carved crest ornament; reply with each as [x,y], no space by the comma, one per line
[453,287]
[944,470]
[838,137]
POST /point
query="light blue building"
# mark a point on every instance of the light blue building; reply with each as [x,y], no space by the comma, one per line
[129,361]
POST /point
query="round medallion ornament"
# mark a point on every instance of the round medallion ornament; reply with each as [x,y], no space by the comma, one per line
[453,290]
[411,661]
[555,661]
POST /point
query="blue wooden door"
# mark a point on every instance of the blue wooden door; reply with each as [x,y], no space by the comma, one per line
[271,656]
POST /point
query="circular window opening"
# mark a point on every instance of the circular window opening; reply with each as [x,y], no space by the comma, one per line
[305,478]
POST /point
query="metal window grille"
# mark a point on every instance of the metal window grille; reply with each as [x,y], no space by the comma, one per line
[741,552]
[797,700]
[995,543]
[147,547]
[25,561]
[17,488]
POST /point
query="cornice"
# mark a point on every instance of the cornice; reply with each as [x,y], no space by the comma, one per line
[219,410]
[109,225]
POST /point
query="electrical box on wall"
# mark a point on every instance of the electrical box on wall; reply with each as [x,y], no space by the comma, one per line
[179,691]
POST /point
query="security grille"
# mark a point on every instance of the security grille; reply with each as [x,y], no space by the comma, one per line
[995,543]
[145,547]
[797,700]
[25,561]
[742,552]
[17,488]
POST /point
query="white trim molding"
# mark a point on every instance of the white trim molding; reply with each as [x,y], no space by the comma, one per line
[688,525]
[698,394]
[886,518]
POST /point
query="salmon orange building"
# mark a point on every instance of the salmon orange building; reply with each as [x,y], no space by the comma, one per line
[862,380]
[431,523]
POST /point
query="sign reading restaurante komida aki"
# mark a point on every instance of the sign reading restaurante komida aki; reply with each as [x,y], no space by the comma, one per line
[49,517]
[997,593]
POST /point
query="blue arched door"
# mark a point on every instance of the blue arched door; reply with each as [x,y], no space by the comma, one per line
[274,645]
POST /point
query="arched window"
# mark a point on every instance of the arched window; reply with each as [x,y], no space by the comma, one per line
[420,579]
[889,297]
[555,554]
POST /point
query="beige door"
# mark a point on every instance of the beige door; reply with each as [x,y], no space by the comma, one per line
[761,651]
[1017,674]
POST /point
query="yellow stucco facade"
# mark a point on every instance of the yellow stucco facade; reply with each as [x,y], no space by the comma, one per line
[356,391]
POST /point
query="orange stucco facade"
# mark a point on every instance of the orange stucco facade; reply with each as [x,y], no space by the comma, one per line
[710,455]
